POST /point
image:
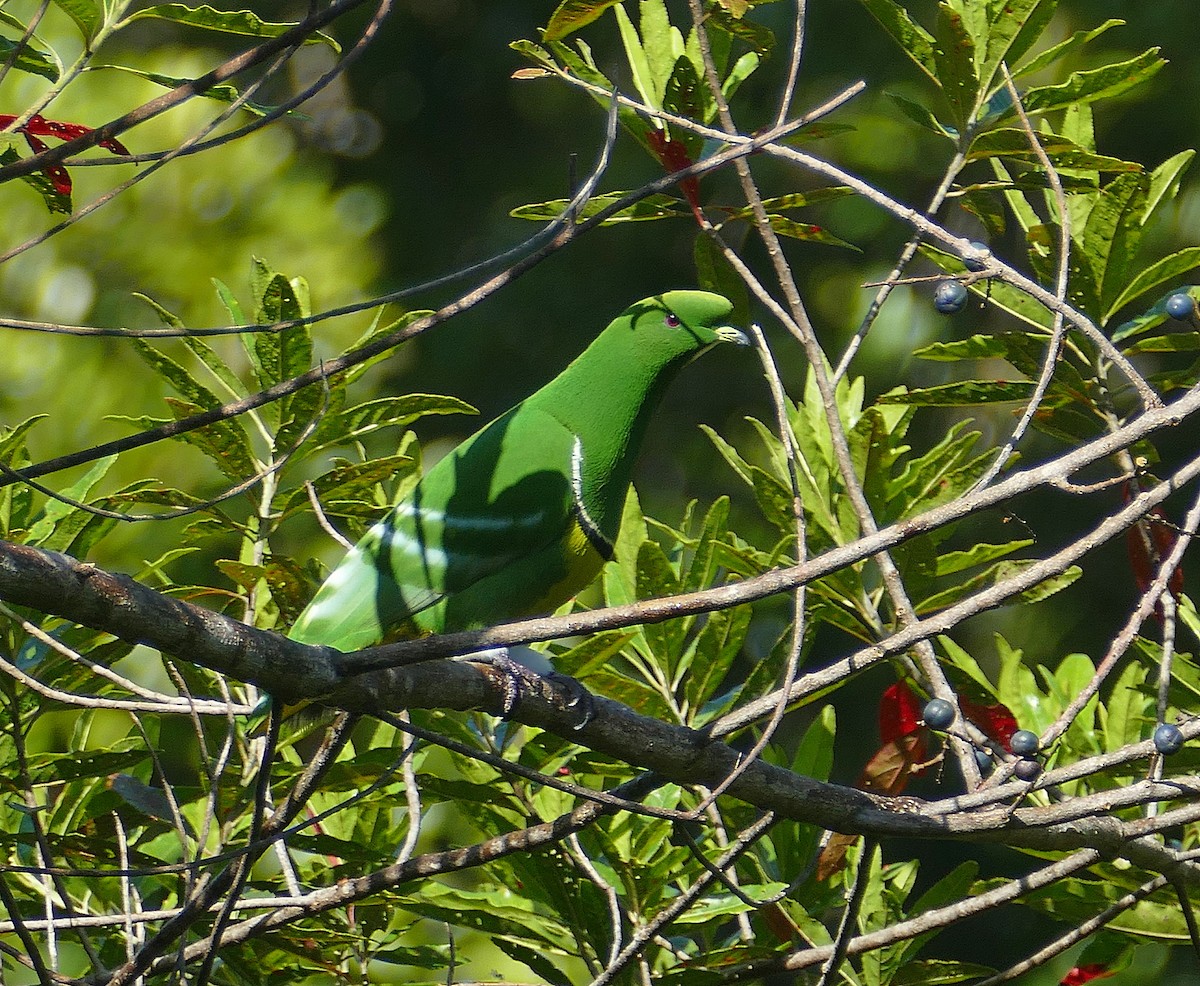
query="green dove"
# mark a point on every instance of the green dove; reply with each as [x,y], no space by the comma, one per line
[522,515]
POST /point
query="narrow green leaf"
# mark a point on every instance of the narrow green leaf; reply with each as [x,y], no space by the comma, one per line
[998,293]
[760,38]
[1179,342]
[657,578]
[730,455]
[58,203]
[1014,29]
[662,45]
[1095,84]
[953,562]
[1114,231]
[717,646]
[571,15]
[807,232]
[1165,180]
[174,374]
[954,54]
[51,531]
[913,39]
[30,58]
[742,69]
[1169,268]
[684,94]
[939,972]
[967,393]
[1063,48]
[88,15]
[639,66]
[351,481]
[354,423]
[650,208]
[230,302]
[244,22]
[972,347]
[921,115]
[224,93]
[1047,588]
[1063,153]
[224,442]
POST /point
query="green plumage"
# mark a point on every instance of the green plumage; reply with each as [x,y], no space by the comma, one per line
[522,515]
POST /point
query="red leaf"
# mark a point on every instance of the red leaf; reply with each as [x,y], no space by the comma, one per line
[1141,563]
[674,157]
[995,720]
[38,126]
[899,712]
[833,856]
[888,771]
[55,172]
[1085,974]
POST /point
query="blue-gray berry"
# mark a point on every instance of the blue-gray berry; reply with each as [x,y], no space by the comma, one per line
[1168,739]
[949,297]
[1024,743]
[975,266]
[1027,770]
[1181,306]
[938,713]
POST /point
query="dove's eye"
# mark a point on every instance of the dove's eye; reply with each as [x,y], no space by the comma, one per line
[672,320]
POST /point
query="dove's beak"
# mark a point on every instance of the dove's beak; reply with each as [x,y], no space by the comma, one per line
[727,333]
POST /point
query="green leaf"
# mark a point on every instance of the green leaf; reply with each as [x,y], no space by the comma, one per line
[967,393]
[55,510]
[352,482]
[742,69]
[244,22]
[939,972]
[88,15]
[717,646]
[652,207]
[224,93]
[972,347]
[224,442]
[954,54]
[1165,181]
[1113,231]
[58,203]
[685,95]
[30,58]
[953,562]
[1095,84]
[920,115]
[1013,29]
[639,65]
[913,39]
[807,232]
[1063,153]
[656,578]
[761,39]
[662,45]
[1179,342]
[1169,268]
[571,15]
[814,754]
[1048,587]
[354,423]
[174,374]
[1063,48]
